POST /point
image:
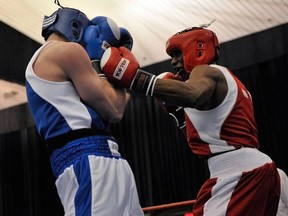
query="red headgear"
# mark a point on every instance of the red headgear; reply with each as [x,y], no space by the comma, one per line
[198,46]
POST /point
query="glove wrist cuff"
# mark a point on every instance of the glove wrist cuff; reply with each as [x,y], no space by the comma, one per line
[144,82]
[96,65]
[102,76]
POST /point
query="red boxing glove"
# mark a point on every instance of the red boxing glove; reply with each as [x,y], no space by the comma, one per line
[119,65]
[122,68]
[176,112]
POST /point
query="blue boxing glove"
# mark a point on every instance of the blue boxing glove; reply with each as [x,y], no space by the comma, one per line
[126,39]
[103,33]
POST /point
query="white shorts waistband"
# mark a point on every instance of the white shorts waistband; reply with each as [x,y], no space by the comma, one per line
[240,160]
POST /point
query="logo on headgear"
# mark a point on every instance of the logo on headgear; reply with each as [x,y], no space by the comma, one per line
[49,20]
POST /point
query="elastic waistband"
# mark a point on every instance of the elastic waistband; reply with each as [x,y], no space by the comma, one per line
[240,160]
[60,141]
[73,151]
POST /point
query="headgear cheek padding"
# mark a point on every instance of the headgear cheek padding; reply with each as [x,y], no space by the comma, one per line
[69,22]
[198,46]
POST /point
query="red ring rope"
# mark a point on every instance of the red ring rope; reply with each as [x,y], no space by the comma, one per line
[170,205]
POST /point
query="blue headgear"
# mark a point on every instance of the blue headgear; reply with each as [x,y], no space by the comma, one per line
[70,23]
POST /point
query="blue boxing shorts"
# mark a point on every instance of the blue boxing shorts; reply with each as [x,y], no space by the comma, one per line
[92,179]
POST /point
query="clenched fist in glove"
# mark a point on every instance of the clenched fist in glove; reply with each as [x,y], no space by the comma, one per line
[126,39]
[122,68]
[176,112]
[103,33]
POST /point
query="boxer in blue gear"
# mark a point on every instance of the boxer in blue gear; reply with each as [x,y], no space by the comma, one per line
[73,108]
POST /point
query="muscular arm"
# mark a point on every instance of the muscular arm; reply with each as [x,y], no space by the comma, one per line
[69,61]
[108,101]
[204,82]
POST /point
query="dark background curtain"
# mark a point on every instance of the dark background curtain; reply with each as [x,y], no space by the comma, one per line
[165,169]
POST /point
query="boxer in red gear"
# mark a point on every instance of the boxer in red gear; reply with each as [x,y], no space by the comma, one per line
[220,124]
